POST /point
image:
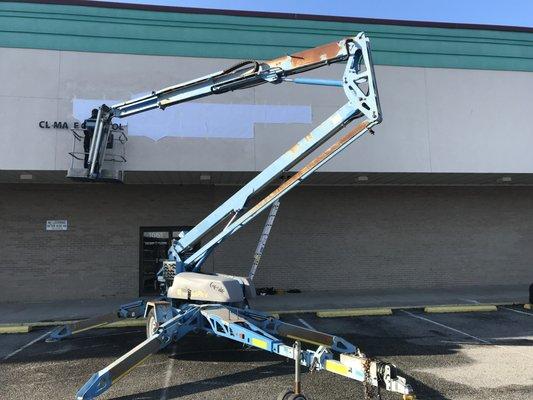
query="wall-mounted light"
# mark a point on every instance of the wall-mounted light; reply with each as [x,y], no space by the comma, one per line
[362,178]
[26,177]
[205,178]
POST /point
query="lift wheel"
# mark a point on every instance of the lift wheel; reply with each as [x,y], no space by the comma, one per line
[288,394]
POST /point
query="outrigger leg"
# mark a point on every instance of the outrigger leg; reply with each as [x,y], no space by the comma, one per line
[184,321]
[131,310]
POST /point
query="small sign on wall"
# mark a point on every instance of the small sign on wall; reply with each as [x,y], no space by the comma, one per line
[56,225]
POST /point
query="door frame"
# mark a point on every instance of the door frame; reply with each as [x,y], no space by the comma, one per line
[142,230]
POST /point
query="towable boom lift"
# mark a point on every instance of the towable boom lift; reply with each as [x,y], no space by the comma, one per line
[192,301]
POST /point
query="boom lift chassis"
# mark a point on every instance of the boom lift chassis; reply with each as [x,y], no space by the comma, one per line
[192,301]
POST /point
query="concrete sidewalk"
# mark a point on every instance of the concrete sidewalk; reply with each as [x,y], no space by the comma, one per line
[407,298]
[18,313]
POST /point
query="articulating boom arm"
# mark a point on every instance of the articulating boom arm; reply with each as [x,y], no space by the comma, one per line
[240,76]
[359,86]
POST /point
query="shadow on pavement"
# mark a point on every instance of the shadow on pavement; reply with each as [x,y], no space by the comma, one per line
[204,385]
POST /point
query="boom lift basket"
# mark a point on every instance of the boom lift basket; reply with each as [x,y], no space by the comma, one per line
[114,160]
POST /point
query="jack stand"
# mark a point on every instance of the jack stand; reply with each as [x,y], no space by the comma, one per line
[296,393]
[297,379]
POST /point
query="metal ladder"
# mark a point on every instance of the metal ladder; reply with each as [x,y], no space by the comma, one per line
[263,239]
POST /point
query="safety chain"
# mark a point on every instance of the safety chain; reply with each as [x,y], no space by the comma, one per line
[370,392]
[314,365]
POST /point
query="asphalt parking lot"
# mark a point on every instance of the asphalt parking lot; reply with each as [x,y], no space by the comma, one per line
[444,356]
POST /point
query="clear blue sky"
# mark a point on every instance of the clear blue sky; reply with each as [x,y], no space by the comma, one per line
[492,12]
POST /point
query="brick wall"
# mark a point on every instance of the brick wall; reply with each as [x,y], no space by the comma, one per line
[324,237]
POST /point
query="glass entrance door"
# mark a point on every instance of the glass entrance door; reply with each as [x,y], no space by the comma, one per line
[154,245]
[154,248]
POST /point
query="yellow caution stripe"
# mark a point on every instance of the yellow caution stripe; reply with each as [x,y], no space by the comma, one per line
[259,343]
[337,367]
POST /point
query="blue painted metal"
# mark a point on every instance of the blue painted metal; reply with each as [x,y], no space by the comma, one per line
[59,333]
[95,386]
[185,321]
[237,202]
[242,75]
[252,328]
[319,82]
[355,50]
[360,103]
[134,309]
[248,332]
[241,333]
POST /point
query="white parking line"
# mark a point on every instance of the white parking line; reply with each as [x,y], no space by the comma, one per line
[168,376]
[27,345]
[518,311]
[446,327]
[469,300]
[307,325]
[103,335]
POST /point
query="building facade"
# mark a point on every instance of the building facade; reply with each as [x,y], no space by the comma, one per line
[439,197]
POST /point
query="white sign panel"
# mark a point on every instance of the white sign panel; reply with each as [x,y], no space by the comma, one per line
[56,225]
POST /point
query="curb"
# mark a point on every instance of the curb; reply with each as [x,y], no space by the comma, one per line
[457,308]
[377,311]
[321,313]
[29,326]
[14,328]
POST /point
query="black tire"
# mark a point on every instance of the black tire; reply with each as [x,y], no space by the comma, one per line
[295,396]
[151,324]
[285,394]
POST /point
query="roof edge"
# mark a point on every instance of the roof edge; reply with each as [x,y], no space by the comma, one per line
[279,15]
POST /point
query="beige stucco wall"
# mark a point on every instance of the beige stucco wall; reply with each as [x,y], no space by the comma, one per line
[435,120]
